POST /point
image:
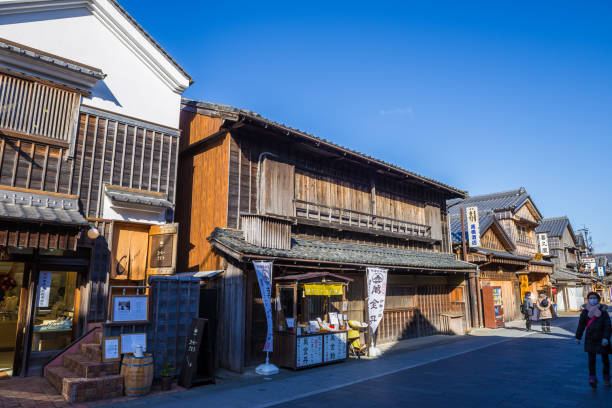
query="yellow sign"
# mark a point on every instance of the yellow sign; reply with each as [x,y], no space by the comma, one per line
[324,289]
[524,279]
[538,257]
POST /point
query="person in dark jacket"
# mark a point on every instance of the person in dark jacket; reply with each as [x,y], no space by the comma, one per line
[527,309]
[595,322]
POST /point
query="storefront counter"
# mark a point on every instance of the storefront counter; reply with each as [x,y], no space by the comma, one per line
[309,350]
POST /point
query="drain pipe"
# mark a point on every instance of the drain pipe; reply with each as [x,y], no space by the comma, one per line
[261,156]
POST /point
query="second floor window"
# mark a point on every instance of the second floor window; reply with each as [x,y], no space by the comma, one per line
[524,235]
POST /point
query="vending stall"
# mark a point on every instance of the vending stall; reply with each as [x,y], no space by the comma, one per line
[493,307]
[311,324]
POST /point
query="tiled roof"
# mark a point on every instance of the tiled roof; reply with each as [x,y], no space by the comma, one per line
[40,207]
[505,200]
[51,59]
[137,196]
[566,275]
[502,254]
[341,253]
[486,220]
[225,109]
[554,227]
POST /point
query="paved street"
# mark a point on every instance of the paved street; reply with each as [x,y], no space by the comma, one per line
[492,368]
[547,369]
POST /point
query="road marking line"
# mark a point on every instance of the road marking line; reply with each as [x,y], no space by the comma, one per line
[396,370]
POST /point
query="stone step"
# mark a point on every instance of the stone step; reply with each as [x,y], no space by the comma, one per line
[88,368]
[93,351]
[78,389]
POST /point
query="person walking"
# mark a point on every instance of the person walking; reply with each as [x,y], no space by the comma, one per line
[595,322]
[527,310]
[544,306]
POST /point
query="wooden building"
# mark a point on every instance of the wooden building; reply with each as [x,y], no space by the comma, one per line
[570,285]
[252,189]
[87,167]
[508,244]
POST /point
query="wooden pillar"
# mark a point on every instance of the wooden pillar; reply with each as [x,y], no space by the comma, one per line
[233,318]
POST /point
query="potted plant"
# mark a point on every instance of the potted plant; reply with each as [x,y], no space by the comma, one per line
[166,376]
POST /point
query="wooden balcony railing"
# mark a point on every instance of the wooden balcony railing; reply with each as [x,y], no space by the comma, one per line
[37,109]
[346,217]
[522,239]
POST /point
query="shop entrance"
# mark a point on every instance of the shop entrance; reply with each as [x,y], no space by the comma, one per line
[11,279]
[54,314]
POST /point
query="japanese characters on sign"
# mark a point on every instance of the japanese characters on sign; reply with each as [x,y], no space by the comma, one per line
[334,347]
[473,226]
[309,351]
[543,244]
[377,289]
[44,289]
[601,271]
[264,277]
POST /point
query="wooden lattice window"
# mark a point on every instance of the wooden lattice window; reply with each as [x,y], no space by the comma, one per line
[37,109]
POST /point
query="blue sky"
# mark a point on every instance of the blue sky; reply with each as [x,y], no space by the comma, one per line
[485,96]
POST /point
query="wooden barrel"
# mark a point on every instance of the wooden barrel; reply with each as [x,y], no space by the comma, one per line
[137,374]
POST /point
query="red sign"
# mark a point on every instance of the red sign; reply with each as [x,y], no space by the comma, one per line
[554,290]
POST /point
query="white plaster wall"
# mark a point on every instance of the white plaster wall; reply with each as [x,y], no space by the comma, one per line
[131,88]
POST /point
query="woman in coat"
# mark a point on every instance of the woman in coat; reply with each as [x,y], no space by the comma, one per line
[544,306]
[595,322]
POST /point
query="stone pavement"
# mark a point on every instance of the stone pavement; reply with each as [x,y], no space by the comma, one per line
[351,381]
[38,392]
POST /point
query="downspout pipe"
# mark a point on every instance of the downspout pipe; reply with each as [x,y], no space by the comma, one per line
[261,157]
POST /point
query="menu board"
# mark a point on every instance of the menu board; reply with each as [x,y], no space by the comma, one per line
[309,351]
[334,347]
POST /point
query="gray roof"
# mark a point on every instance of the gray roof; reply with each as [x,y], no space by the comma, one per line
[566,275]
[554,227]
[486,220]
[340,253]
[235,113]
[40,207]
[507,255]
[51,59]
[506,200]
[133,196]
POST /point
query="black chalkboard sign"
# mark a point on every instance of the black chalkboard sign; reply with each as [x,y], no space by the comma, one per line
[197,365]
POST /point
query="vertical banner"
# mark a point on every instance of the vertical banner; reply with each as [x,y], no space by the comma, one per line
[524,279]
[377,289]
[44,289]
[264,277]
[543,244]
[473,224]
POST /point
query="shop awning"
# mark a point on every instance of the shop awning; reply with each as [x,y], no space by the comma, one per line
[135,196]
[231,242]
[313,275]
[37,219]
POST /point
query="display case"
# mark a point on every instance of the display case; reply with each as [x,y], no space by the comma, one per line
[493,307]
[310,323]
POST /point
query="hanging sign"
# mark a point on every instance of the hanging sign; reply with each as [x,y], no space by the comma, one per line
[44,289]
[377,289]
[543,244]
[601,271]
[263,269]
[524,279]
[473,226]
[323,289]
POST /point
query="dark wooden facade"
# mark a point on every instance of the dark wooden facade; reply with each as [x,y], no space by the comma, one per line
[235,167]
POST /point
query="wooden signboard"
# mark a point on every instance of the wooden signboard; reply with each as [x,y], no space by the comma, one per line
[111,349]
[161,258]
[197,367]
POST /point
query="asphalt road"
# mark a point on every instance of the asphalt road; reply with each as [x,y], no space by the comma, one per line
[537,370]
